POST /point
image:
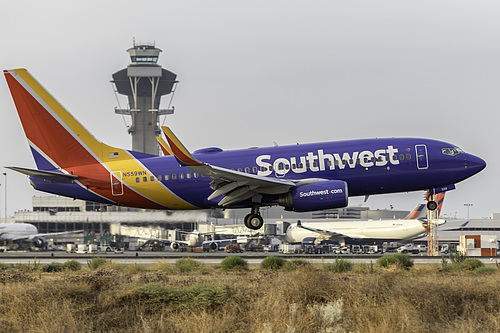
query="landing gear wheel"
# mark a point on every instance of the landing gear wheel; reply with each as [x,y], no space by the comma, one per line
[254,221]
[432,205]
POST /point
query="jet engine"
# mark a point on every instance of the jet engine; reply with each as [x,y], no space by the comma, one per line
[175,246]
[320,195]
[40,242]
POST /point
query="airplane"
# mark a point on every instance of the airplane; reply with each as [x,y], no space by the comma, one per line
[195,239]
[27,235]
[306,177]
[413,226]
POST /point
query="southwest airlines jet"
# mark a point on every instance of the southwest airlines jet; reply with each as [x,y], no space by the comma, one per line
[307,177]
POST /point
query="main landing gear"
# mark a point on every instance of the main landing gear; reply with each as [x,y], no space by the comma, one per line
[431,204]
[253,220]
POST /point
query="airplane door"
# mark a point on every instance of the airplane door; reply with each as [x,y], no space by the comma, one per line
[422,160]
[116,183]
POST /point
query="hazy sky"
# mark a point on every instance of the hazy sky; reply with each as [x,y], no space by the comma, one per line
[261,71]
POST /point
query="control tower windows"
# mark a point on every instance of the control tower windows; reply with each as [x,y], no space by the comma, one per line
[144,59]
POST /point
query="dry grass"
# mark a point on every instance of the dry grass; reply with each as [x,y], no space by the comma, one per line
[162,298]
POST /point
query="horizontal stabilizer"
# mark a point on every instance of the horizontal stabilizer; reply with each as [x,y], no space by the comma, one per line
[46,175]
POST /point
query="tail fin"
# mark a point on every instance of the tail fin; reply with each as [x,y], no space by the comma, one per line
[439,198]
[416,212]
[164,146]
[180,152]
[56,138]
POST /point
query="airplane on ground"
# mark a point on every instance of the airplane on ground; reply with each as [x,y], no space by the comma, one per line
[413,226]
[306,177]
[195,239]
[26,235]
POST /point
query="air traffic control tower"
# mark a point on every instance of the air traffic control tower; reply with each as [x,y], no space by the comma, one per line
[144,82]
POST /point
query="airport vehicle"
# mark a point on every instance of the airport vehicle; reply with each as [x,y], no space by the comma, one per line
[25,235]
[369,231]
[408,248]
[305,177]
[233,248]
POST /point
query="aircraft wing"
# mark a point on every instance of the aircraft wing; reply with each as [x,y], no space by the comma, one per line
[453,225]
[46,175]
[234,186]
[57,233]
[320,231]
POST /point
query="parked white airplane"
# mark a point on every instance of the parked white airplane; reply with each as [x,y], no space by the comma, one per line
[26,235]
[367,232]
[193,239]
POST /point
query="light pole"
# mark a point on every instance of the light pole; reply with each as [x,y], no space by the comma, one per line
[5,208]
[468,205]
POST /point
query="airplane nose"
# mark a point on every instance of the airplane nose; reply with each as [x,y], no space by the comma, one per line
[474,164]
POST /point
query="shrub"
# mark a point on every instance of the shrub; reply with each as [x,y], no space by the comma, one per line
[185,265]
[97,262]
[272,262]
[485,270]
[457,257]
[471,264]
[400,260]
[293,264]
[233,263]
[196,296]
[339,266]
[72,265]
[53,267]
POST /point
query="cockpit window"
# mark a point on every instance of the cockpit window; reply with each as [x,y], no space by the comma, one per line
[452,151]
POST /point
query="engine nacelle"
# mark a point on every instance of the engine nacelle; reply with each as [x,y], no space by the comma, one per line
[321,195]
[175,246]
[40,242]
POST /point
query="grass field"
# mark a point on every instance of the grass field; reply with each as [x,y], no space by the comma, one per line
[294,296]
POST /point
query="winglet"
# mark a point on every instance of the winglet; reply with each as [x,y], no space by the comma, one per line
[164,146]
[180,152]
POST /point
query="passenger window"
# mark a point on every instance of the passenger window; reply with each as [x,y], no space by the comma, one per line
[239,169]
[188,175]
[152,178]
[166,177]
[247,170]
[401,157]
[137,180]
[181,176]
[145,179]
[195,175]
[174,176]
[254,169]
[408,156]
[160,178]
